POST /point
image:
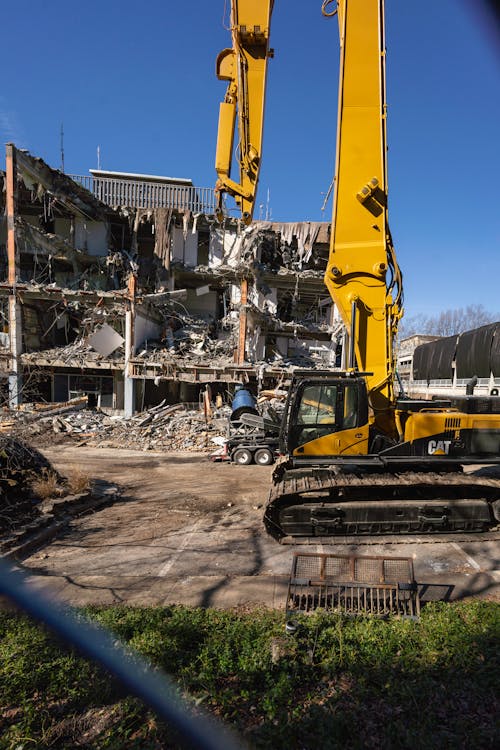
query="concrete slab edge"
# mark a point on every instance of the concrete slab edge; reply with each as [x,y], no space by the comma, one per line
[35,539]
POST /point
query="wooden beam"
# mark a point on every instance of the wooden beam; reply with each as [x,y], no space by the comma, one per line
[240,354]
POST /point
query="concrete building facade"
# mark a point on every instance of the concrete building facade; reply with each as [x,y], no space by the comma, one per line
[126,288]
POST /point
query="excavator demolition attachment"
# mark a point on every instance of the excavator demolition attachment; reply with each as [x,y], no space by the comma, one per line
[352,585]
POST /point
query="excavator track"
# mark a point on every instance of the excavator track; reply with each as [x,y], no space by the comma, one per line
[323,502]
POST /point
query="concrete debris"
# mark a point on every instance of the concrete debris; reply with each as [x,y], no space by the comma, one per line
[78,354]
[172,427]
[36,411]
[39,177]
[36,502]
[190,338]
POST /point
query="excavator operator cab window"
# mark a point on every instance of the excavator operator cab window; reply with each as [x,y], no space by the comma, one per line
[350,407]
[323,408]
[317,405]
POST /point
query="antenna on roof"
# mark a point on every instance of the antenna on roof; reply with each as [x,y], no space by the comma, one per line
[98,157]
[327,195]
[268,205]
[62,148]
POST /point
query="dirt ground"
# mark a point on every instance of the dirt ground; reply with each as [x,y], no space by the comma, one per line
[187,530]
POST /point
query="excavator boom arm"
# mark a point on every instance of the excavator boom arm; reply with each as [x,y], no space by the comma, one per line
[362,275]
[244,66]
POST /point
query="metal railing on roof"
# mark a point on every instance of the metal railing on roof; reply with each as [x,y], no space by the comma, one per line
[148,194]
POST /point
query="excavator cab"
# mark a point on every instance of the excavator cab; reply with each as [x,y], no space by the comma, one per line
[326,414]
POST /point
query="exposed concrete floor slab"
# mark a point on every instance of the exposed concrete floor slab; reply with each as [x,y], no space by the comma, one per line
[190,531]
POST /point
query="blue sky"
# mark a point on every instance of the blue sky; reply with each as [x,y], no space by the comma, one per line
[139,81]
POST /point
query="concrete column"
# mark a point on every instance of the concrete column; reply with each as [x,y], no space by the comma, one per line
[128,381]
[240,354]
[15,318]
[15,339]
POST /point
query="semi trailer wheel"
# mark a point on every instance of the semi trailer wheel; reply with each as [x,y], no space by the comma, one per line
[242,456]
[263,457]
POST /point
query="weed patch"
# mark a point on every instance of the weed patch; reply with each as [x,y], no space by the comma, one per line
[77,481]
[46,485]
[361,683]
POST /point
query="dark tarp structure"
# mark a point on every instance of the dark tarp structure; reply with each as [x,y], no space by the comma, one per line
[420,366]
[433,361]
[495,352]
[474,351]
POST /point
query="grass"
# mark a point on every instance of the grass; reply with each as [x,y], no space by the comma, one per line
[357,683]
[77,481]
[46,485]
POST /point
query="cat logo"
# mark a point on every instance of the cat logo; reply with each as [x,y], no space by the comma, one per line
[438,447]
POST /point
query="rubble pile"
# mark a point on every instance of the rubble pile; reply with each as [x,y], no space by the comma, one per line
[301,359]
[89,322]
[182,427]
[77,354]
[20,464]
[191,338]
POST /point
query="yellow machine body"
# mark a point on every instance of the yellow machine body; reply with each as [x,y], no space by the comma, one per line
[350,442]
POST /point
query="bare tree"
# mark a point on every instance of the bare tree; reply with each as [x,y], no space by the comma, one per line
[410,326]
[447,322]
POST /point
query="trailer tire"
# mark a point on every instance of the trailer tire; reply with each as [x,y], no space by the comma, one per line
[494,392]
[242,456]
[263,457]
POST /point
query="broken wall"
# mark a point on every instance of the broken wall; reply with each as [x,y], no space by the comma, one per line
[63,234]
[91,236]
[202,302]
[146,329]
[267,302]
[184,246]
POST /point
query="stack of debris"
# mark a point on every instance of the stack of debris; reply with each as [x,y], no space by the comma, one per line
[36,502]
[78,354]
[20,465]
[164,427]
[190,337]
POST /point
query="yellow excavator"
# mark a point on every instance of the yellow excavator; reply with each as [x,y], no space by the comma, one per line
[357,459]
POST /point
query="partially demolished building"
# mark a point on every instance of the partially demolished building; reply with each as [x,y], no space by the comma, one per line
[126,288]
